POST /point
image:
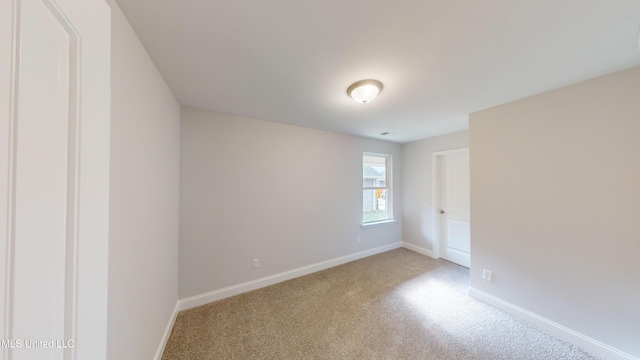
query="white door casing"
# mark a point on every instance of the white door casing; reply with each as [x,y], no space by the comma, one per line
[54,146]
[452,211]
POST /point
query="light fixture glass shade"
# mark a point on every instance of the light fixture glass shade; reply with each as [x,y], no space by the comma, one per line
[364,91]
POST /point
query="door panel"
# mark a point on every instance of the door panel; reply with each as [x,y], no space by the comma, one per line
[54,135]
[454,207]
[40,191]
[458,236]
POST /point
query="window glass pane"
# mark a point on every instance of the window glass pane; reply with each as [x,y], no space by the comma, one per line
[374,171]
[376,182]
[374,205]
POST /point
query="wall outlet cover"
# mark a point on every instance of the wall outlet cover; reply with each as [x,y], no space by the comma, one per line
[487,274]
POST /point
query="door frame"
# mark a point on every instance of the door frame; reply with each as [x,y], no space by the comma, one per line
[436,159]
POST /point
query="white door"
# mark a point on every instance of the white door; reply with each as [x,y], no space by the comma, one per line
[54,170]
[453,213]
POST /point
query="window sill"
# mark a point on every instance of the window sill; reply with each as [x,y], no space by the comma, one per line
[378,223]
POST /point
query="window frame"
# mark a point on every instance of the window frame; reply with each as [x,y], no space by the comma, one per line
[388,187]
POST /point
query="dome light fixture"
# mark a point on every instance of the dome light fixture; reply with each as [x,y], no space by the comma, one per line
[364,91]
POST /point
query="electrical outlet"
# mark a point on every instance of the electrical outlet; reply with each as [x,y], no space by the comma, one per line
[487,274]
[358,240]
[256,263]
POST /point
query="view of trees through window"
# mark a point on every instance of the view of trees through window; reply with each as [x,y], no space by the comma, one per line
[376,193]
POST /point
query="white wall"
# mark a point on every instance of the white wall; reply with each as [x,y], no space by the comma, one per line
[288,195]
[556,206]
[144,190]
[417,179]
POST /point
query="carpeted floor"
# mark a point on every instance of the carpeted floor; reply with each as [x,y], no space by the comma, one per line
[395,305]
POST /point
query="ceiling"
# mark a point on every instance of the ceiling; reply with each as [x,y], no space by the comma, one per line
[291,61]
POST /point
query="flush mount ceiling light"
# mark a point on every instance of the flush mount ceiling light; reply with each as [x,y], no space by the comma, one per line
[364,91]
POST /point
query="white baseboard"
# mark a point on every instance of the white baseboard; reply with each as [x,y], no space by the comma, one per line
[418,249]
[167,332]
[586,343]
[220,294]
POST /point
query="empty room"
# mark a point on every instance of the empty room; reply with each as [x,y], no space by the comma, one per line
[319,180]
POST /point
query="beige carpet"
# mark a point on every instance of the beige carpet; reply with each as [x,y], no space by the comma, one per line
[395,305]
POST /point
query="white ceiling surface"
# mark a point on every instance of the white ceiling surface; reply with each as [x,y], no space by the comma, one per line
[291,61]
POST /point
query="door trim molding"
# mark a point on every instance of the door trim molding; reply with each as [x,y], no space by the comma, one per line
[8,143]
[435,189]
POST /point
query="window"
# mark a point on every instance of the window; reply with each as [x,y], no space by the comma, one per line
[376,188]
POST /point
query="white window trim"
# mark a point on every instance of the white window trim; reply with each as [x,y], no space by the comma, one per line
[378,223]
[388,186]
